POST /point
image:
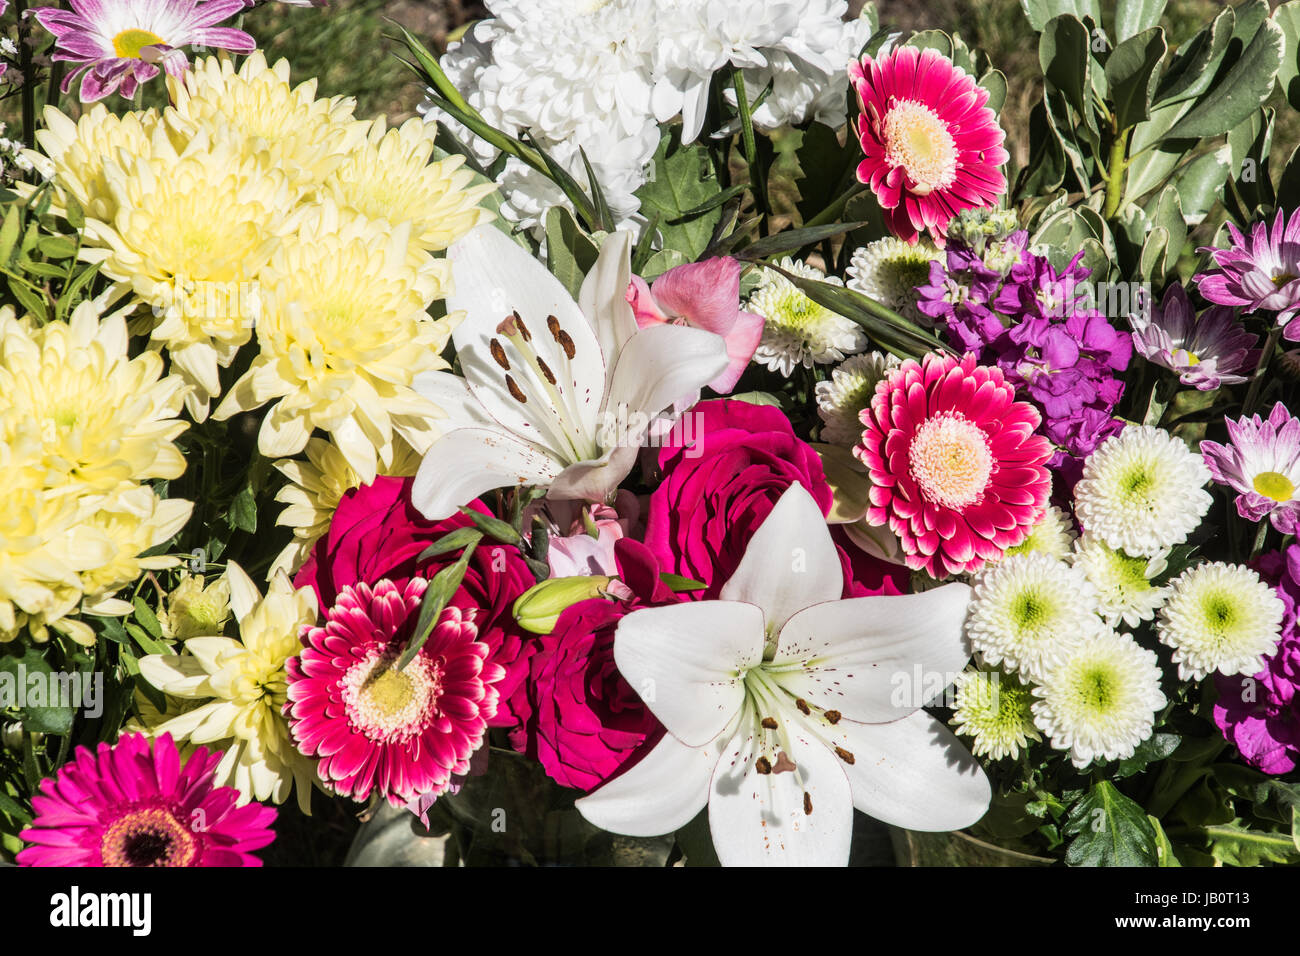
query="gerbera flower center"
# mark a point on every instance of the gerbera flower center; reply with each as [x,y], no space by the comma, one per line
[951,460]
[148,836]
[388,704]
[1275,485]
[129,43]
[919,141]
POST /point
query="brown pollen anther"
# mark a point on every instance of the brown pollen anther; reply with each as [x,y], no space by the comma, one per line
[546,370]
[833,716]
[844,755]
[769,723]
[763,765]
[803,706]
[523,329]
[499,354]
[566,343]
[807,803]
[516,391]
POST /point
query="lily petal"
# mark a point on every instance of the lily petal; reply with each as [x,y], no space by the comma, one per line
[661,793]
[469,461]
[687,662]
[603,296]
[595,480]
[451,393]
[661,364]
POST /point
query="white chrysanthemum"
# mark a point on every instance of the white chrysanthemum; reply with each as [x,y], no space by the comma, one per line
[1220,617]
[1100,701]
[1123,582]
[195,610]
[241,686]
[796,330]
[1028,610]
[889,270]
[841,400]
[992,707]
[1142,491]
[1053,536]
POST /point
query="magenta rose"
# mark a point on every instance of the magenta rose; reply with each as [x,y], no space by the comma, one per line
[376,533]
[722,474]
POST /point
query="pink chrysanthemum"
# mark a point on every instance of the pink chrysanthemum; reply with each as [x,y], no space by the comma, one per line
[1262,463]
[932,146]
[402,732]
[1259,271]
[121,43]
[957,472]
[126,805]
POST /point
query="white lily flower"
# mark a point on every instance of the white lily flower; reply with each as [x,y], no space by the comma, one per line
[545,377]
[781,703]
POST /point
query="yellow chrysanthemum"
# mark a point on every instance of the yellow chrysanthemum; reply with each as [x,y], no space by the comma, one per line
[194,609]
[389,176]
[132,520]
[101,418]
[241,686]
[316,486]
[301,135]
[77,152]
[192,231]
[342,335]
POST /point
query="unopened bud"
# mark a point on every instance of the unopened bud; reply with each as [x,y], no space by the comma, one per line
[538,608]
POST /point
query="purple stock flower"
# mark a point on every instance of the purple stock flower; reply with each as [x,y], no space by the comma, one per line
[1259,271]
[1261,462]
[122,43]
[1205,352]
[1260,715]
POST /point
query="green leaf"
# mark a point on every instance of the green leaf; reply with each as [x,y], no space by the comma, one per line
[45,718]
[792,240]
[661,262]
[1065,61]
[1242,90]
[604,219]
[1192,68]
[995,81]
[1040,12]
[1109,829]
[682,180]
[570,252]
[1131,71]
[9,233]
[826,169]
[33,302]
[1164,849]
[1200,185]
[932,40]
[243,510]
[494,528]
[73,213]
[441,589]
[146,643]
[722,198]
[148,620]
[679,583]
[1287,17]
[1154,748]
[1234,844]
[58,247]
[451,541]
[11,808]
[1134,16]
[1046,167]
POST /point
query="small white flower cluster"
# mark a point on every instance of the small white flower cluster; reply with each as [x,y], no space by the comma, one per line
[602,74]
[12,159]
[1051,616]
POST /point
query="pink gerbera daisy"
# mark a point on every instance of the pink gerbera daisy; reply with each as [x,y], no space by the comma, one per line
[121,43]
[957,472]
[126,805]
[932,146]
[401,732]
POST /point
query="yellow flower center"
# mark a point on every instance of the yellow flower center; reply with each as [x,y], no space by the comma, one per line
[918,140]
[1282,278]
[388,704]
[129,43]
[1272,484]
[950,460]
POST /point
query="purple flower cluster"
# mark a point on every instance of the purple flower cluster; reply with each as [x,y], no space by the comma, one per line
[1014,310]
[1260,715]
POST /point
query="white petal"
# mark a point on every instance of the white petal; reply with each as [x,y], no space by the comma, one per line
[875,658]
[687,662]
[759,819]
[660,794]
[461,466]
[595,480]
[451,394]
[913,773]
[176,674]
[603,297]
[661,364]
[244,595]
[790,563]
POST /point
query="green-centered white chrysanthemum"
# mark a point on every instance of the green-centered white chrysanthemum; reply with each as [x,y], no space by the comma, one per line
[1053,536]
[1220,617]
[1028,610]
[1100,701]
[992,707]
[194,609]
[1123,582]
[315,488]
[841,400]
[1142,491]
[889,270]
[796,330]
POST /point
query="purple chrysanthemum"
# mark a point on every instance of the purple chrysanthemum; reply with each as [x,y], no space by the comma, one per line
[130,805]
[122,43]
[1259,271]
[1206,352]
[1262,462]
[1260,715]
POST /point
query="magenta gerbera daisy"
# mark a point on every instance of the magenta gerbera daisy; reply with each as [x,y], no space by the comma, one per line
[1258,271]
[133,805]
[121,43]
[401,732]
[932,147]
[957,472]
[1262,463]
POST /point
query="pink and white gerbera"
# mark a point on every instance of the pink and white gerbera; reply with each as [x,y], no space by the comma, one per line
[402,732]
[1262,462]
[956,470]
[1259,271]
[932,146]
[121,43]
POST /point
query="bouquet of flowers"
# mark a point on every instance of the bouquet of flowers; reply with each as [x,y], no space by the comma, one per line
[695,436]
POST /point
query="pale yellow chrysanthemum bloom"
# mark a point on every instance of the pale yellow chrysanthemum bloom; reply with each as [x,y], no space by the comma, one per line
[343,333]
[193,609]
[101,417]
[134,520]
[305,137]
[389,177]
[315,488]
[193,229]
[241,686]
[77,151]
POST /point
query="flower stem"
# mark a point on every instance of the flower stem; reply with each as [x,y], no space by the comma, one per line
[1257,382]
[1116,168]
[25,66]
[1260,535]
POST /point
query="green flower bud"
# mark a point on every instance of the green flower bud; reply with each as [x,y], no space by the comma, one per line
[538,608]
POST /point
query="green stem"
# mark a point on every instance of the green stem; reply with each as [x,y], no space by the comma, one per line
[833,212]
[757,176]
[1257,382]
[25,34]
[1260,535]
[1116,169]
